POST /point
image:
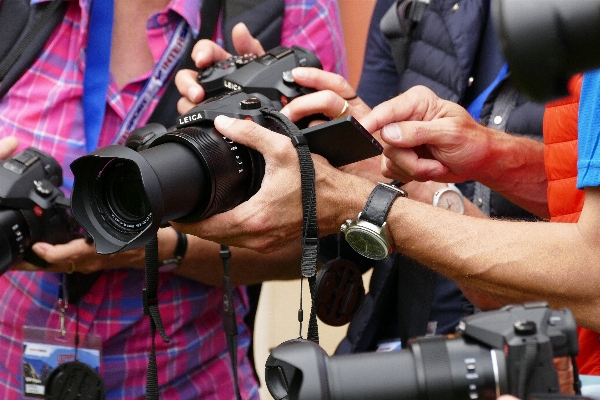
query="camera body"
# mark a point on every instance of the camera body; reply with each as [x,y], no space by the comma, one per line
[32,207]
[507,351]
[123,195]
[268,75]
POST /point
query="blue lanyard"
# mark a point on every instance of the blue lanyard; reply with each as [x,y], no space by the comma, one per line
[476,106]
[97,70]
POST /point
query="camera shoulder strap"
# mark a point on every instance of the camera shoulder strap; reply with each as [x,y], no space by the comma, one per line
[398,23]
[24,30]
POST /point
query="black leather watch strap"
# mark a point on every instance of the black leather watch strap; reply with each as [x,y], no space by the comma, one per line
[379,203]
[178,254]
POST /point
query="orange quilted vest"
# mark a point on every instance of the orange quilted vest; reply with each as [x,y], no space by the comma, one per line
[564,199]
[560,136]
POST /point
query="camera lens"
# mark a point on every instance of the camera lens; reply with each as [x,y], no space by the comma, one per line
[431,368]
[124,200]
[14,237]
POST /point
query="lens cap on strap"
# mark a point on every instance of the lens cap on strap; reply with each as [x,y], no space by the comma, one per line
[74,380]
[339,292]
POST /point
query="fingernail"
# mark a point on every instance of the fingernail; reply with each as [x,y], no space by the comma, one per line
[392,132]
[40,248]
[193,93]
[298,73]
[285,111]
[223,121]
[199,56]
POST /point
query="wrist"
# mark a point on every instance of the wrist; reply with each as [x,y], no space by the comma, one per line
[178,253]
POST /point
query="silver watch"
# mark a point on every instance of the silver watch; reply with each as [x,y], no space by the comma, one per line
[449,198]
[366,233]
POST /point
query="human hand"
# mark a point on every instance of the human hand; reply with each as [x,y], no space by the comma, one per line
[333,93]
[272,218]
[429,138]
[330,99]
[205,53]
[79,255]
[8,145]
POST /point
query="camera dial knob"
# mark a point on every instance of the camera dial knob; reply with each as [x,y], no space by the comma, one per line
[523,328]
[252,103]
[288,79]
[43,188]
[240,61]
[205,72]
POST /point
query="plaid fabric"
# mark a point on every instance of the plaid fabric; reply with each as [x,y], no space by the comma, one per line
[43,109]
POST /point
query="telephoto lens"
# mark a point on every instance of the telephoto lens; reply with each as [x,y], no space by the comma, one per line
[122,197]
[505,351]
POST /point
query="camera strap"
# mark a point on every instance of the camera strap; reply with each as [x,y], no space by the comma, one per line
[229,321]
[150,301]
[310,230]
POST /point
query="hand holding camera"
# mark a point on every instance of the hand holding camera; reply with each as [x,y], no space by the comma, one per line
[205,54]
[122,197]
[32,207]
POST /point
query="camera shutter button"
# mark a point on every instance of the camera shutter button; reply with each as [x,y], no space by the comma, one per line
[252,103]
[205,72]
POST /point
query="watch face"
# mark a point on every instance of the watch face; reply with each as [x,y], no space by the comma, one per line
[450,200]
[367,244]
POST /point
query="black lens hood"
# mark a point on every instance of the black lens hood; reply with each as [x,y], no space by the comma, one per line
[92,218]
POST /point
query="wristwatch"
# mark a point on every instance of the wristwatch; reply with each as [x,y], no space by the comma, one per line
[449,198]
[366,233]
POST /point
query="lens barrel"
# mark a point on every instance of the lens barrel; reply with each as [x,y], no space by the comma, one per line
[121,197]
[14,237]
[432,368]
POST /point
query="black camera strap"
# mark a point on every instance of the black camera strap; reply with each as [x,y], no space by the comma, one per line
[310,230]
[150,301]
[229,321]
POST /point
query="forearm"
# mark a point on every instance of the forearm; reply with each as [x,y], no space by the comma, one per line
[511,261]
[517,172]
[203,263]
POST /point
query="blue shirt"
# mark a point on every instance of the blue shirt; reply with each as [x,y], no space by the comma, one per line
[588,164]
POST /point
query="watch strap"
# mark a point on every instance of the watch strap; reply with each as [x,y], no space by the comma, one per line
[178,254]
[379,203]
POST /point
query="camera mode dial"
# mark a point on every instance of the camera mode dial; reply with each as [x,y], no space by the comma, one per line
[252,103]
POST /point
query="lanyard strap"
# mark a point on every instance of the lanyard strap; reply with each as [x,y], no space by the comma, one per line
[97,73]
[163,70]
[97,68]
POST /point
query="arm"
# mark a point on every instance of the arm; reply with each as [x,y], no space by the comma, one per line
[510,261]
[202,261]
[438,140]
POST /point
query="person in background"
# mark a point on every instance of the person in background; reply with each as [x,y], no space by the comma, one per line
[44,109]
[453,50]
[511,261]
